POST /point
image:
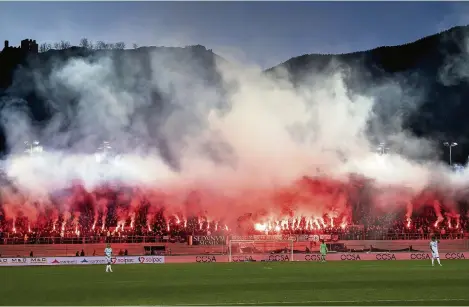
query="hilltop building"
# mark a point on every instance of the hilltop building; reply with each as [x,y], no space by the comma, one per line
[27,46]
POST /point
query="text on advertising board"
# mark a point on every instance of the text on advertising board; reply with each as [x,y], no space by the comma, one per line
[151,259]
[241,258]
[42,260]
[454,256]
[205,259]
[124,260]
[93,261]
[420,256]
[281,258]
[313,257]
[350,257]
[385,257]
[68,261]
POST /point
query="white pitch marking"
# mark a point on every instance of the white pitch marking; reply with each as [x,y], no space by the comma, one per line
[330,302]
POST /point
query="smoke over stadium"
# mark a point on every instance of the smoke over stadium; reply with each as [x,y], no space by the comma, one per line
[138,145]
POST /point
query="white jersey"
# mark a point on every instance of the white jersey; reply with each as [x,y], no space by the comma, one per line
[434,248]
[108,252]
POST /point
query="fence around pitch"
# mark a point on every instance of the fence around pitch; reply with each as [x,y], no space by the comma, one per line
[133,260]
[134,249]
[372,235]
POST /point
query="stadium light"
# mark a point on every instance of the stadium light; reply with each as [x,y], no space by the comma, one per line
[382,149]
[104,151]
[33,148]
[450,145]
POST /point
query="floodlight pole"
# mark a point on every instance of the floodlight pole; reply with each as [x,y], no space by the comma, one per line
[382,148]
[103,150]
[450,145]
[33,147]
[29,147]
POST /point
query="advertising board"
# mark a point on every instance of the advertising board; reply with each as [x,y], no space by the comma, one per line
[313,257]
[51,261]
[40,261]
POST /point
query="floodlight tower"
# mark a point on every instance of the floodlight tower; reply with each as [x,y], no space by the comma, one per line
[382,149]
[105,147]
[33,147]
[450,145]
[103,151]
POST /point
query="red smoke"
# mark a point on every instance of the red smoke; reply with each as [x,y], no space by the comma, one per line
[307,204]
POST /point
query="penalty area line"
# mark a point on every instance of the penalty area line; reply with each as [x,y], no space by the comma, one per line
[329,302]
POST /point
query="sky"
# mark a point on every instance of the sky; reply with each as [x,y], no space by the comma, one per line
[261,33]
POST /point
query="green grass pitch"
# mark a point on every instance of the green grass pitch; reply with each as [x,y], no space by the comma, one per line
[277,283]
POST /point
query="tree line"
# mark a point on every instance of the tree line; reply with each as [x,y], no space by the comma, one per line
[84,43]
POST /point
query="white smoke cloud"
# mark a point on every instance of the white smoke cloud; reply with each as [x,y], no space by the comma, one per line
[248,131]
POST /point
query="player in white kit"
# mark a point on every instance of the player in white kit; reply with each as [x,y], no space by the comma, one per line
[434,249]
[108,254]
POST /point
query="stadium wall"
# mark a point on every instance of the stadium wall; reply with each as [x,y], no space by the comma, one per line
[57,261]
[421,245]
[134,249]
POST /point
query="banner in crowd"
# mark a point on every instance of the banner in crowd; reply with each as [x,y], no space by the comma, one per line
[317,238]
[208,240]
[31,261]
[265,238]
[295,238]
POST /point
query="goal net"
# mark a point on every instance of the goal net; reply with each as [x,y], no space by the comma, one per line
[253,250]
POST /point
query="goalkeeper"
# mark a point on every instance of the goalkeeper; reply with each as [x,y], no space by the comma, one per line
[323,250]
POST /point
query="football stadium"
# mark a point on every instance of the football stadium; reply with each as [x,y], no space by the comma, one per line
[203,275]
[184,175]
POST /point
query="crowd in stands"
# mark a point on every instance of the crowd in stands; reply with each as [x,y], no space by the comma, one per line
[383,226]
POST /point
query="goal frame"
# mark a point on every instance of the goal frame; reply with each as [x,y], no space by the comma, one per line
[230,243]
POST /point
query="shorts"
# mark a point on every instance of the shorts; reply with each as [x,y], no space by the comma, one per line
[435,255]
[108,260]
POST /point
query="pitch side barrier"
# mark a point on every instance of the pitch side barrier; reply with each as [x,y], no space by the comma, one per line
[315,257]
[51,261]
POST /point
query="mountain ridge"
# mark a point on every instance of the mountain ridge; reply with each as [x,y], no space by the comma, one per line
[420,65]
[460,31]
